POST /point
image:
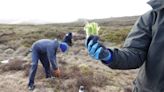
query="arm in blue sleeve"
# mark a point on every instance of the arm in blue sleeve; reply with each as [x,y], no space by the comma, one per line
[52,58]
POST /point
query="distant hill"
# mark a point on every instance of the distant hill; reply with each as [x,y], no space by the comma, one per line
[113,21]
[121,21]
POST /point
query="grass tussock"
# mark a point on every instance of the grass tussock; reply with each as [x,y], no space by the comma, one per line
[14,64]
[75,76]
[116,36]
[72,76]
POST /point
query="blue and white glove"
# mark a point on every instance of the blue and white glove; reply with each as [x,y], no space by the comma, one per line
[97,50]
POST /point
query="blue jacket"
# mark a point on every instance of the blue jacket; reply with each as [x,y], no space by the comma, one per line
[48,48]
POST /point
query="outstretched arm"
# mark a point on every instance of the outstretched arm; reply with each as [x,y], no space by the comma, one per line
[136,46]
[134,52]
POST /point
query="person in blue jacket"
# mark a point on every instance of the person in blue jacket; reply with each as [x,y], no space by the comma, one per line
[45,50]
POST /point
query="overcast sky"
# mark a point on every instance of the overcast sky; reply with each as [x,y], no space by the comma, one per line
[68,10]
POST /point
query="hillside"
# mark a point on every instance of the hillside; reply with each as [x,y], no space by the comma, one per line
[113,21]
[76,66]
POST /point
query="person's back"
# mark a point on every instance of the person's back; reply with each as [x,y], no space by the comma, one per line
[45,44]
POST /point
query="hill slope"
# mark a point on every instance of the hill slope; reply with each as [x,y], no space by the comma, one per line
[76,66]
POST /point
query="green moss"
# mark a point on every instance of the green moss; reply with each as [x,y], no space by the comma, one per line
[50,34]
[85,70]
[116,36]
[29,39]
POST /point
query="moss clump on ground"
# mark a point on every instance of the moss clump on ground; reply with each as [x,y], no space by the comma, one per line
[116,36]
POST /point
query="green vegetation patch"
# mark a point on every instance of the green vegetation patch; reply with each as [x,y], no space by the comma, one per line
[116,36]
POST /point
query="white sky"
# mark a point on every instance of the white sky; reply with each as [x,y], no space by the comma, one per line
[68,10]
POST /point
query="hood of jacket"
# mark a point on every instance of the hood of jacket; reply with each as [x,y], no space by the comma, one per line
[156,4]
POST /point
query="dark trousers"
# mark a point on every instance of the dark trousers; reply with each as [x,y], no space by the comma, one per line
[36,56]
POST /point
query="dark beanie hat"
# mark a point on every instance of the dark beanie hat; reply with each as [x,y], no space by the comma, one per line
[68,38]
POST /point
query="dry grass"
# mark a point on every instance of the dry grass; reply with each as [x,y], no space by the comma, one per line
[19,38]
[74,76]
[18,64]
[14,64]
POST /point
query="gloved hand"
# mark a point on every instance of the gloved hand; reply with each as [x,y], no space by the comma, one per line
[57,72]
[97,50]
